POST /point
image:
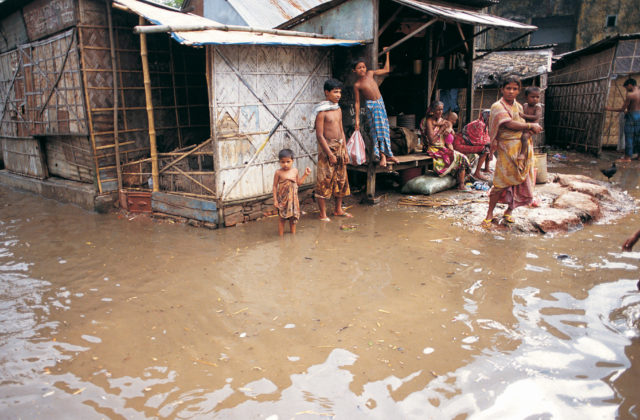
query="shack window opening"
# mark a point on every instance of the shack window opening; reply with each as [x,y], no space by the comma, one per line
[611,21]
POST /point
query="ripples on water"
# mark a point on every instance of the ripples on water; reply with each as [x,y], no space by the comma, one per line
[83,336]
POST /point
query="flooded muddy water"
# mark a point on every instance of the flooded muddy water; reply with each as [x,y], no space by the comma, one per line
[405,317]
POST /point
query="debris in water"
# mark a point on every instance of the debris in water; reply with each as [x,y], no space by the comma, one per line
[204,362]
[348,228]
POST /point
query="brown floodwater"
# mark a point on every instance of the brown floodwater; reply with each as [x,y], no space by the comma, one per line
[406,317]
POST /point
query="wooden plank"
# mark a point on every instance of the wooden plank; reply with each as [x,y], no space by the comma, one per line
[24,156]
[47,17]
[189,207]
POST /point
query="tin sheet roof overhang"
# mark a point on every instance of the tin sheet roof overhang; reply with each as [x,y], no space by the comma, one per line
[252,36]
[465,16]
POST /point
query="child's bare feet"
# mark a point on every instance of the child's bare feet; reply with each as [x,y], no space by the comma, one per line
[325,219]
[394,159]
[383,160]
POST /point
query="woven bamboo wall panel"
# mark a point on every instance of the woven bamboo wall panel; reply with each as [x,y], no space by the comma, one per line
[47,17]
[46,90]
[585,68]
[70,157]
[12,93]
[576,118]
[251,85]
[92,12]
[14,31]
[24,157]
[179,97]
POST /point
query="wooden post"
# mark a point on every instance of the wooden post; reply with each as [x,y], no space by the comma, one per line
[213,112]
[429,66]
[371,182]
[87,99]
[155,178]
[175,95]
[116,140]
[468,57]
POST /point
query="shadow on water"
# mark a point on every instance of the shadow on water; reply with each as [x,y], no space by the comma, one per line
[404,317]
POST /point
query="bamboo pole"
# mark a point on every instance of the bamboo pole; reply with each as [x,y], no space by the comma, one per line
[213,121]
[116,140]
[147,94]
[154,29]
[173,85]
[121,87]
[87,99]
[185,154]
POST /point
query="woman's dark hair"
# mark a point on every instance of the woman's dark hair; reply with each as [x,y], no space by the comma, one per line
[512,78]
[331,84]
[285,153]
[629,81]
[433,106]
[357,61]
[531,89]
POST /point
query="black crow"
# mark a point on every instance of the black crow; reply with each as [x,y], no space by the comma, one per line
[609,172]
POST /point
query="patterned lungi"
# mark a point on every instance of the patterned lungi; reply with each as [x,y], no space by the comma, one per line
[379,124]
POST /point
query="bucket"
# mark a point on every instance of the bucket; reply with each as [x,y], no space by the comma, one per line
[541,168]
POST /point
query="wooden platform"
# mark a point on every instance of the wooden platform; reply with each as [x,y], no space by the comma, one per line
[372,169]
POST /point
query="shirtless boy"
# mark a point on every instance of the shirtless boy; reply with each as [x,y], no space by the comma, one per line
[332,152]
[366,87]
[531,112]
[631,108]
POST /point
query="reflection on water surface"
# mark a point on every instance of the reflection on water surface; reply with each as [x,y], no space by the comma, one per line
[405,317]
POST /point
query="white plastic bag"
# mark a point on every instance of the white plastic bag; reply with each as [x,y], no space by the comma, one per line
[355,149]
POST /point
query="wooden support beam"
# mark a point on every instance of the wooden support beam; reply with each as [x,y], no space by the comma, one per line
[155,29]
[195,181]
[114,69]
[390,20]
[184,155]
[466,44]
[401,41]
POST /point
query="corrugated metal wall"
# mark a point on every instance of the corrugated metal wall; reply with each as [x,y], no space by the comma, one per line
[242,119]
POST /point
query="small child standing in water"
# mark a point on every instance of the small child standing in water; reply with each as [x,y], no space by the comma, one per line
[285,191]
[531,112]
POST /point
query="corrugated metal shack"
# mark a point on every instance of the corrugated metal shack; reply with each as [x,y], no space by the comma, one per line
[581,84]
[531,64]
[196,118]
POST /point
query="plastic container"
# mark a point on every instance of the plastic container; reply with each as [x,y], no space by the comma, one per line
[540,163]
